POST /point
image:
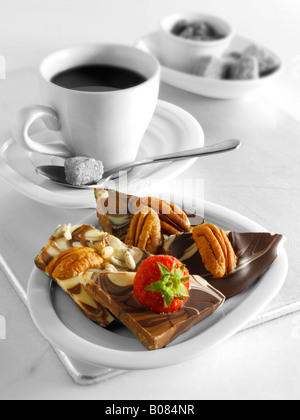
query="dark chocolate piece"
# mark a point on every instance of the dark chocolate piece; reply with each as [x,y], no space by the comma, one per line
[255,251]
[154,330]
[195,219]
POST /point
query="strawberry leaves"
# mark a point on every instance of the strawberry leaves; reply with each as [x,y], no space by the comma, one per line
[170,284]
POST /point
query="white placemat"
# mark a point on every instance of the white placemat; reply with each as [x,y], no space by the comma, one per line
[261,181]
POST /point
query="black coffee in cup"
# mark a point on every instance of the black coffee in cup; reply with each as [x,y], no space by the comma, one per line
[98,78]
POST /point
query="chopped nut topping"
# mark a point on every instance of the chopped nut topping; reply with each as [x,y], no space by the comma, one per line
[117,262]
[63,231]
[129,260]
[107,252]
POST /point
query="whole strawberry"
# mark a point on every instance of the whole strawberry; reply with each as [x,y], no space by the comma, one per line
[162,283]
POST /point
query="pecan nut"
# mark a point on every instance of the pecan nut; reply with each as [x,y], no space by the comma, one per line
[215,249]
[173,219]
[145,231]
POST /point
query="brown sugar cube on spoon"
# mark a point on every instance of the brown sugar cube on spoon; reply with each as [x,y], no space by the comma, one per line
[81,170]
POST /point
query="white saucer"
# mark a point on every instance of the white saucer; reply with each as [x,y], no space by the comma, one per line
[212,88]
[172,129]
[64,325]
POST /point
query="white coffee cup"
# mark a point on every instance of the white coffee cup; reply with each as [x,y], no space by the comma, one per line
[107,126]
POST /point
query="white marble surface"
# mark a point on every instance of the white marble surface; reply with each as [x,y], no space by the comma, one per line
[258,363]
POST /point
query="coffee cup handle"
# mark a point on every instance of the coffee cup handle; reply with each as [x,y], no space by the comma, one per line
[24,120]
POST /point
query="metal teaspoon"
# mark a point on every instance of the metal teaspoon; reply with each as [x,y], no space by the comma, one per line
[57,173]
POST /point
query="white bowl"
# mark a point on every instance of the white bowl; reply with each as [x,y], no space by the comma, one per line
[180,53]
[205,86]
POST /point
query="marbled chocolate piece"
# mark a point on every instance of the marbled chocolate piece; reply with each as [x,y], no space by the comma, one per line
[115,211]
[154,330]
[255,252]
[116,257]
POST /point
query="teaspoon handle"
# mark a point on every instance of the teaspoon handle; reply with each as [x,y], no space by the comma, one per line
[224,146]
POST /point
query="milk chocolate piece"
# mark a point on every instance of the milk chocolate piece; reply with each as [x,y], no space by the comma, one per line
[154,330]
[255,252]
